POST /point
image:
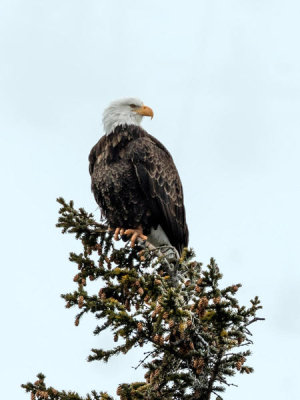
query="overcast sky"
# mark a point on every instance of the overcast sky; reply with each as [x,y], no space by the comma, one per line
[223,79]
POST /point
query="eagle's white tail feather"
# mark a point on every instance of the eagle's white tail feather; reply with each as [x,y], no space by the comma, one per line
[158,238]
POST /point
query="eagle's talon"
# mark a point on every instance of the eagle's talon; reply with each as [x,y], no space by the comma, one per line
[133,239]
[135,234]
[116,234]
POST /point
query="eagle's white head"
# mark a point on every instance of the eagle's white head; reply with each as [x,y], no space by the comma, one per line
[128,111]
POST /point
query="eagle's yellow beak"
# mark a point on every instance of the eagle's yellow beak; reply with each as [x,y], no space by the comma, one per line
[145,111]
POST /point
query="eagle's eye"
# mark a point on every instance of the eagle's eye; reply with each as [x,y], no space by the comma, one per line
[133,105]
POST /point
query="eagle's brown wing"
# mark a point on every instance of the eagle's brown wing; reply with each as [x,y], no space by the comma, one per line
[161,185]
[95,152]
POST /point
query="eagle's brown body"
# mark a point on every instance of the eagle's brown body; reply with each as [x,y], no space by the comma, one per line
[135,183]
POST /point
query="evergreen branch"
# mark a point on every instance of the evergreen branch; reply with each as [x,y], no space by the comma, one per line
[197,330]
[39,391]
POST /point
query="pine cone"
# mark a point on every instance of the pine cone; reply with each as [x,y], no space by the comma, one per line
[171,323]
[217,300]
[165,315]
[140,326]
[141,291]
[156,338]
[80,301]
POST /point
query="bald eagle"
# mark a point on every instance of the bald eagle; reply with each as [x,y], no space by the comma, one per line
[135,181]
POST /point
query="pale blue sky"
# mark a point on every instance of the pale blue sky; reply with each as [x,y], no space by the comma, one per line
[223,78]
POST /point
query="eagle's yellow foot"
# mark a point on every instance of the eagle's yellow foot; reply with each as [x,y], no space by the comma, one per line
[118,231]
[135,234]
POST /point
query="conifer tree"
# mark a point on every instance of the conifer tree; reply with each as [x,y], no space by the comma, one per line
[198,331]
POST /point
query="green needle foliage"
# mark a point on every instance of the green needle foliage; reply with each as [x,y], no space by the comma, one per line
[198,331]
